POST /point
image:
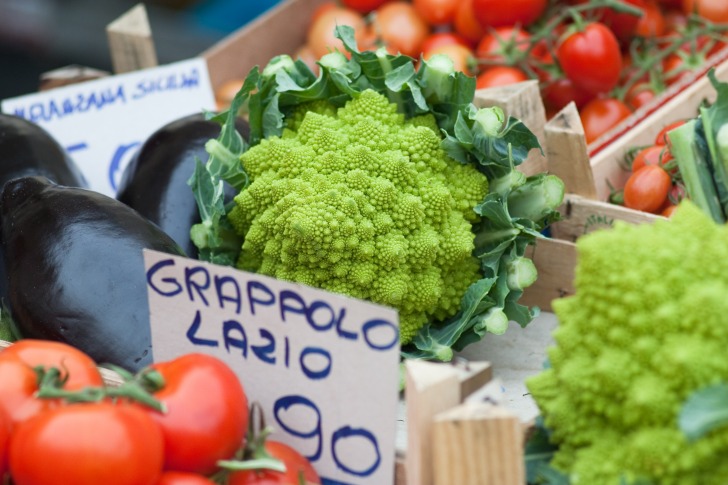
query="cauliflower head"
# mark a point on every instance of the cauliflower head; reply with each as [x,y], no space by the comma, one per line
[646,327]
[359,201]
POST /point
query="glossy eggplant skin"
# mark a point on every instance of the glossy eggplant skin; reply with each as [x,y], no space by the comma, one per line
[155,181]
[26,149]
[76,269]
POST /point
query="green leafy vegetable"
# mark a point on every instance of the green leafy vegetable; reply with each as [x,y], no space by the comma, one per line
[387,227]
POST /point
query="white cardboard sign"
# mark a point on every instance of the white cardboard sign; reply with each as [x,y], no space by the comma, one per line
[101,123]
[324,367]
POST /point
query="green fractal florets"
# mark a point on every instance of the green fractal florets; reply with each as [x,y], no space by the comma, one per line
[361,202]
[646,327]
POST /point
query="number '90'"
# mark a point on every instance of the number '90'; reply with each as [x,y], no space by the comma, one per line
[338,439]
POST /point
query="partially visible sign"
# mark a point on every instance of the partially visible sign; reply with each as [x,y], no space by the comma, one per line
[101,123]
[324,367]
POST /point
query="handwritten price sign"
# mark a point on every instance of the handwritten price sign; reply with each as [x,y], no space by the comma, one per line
[324,367]
[102,123]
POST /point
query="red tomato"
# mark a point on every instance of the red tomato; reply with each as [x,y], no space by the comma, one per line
[183,478]
[363,6]
[624,25]
[639,95]
[591,58]
[647,188]
[600,115]
[462,57]
[436,12]
[87,444]
[500,13]
[465,23]
[713,10]
[19,383]
[207,412]
[677,68]
[320,36]
[561,92]
[651,155]
[5,428]
[296,466]
[79,368]
[652,23]
[502,45]
[439,39]
[661,138]
[399,26]
[499,76]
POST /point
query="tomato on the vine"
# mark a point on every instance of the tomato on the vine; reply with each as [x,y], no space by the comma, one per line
[591,58]
[651,155]
[677,68]
[647,189]
[400,27]
[500,13]
[638,95]
[207,412]
[79,369]
[624,25]
[502,45]
[652,22]
[297,467]
[713,10]
[436,12]
[561,92]
[600,115]
[19,383]
[499,76]
[87,444]
[183,478]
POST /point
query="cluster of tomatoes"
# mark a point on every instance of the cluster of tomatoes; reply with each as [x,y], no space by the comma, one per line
[170,424]
[607,56]
[654,184]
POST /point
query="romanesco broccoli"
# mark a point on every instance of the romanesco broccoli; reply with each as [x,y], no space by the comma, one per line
[645,328]
[361,202]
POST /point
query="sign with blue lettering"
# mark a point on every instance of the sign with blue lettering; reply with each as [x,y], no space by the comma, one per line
[324,367]
[102,123]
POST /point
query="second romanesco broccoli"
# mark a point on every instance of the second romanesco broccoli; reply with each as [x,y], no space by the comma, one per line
[361,202]
[645,328]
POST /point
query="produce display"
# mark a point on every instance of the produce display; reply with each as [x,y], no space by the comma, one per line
[644,330]
[686,160]
[360,165]
[61,423]
[381,181]
[610,57]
